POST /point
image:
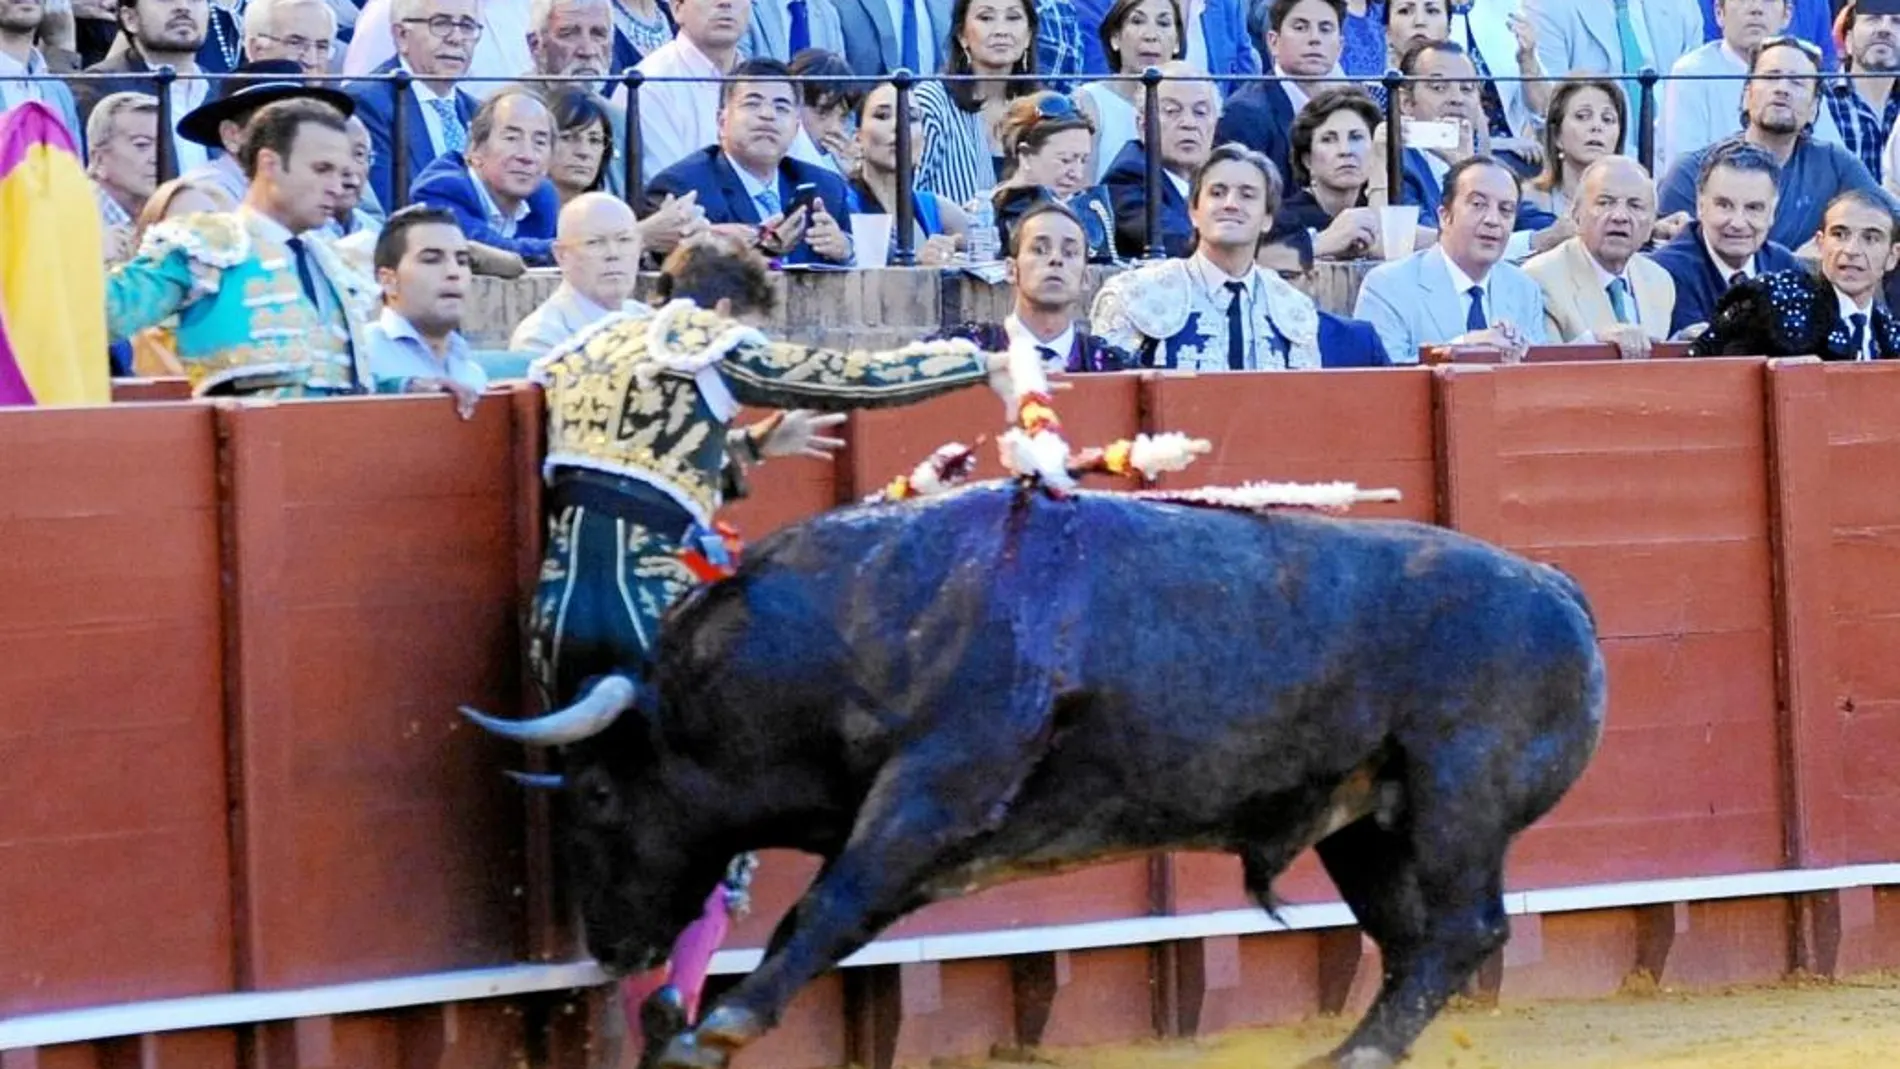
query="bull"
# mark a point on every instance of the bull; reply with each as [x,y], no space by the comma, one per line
[938,697]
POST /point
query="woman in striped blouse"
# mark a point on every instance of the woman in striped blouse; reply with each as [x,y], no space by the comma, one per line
[962,154]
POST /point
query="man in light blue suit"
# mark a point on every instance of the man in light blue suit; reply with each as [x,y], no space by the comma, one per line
[1617,37]
[770,34]
[873,42]
[1459,292]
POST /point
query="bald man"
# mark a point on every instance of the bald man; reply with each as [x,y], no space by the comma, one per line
[1597,287]
[597,248]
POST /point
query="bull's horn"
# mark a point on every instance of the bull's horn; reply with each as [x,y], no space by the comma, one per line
[584,719]
[540,781]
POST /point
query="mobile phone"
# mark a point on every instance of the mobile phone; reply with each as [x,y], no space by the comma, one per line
[1431,134]
[802,197]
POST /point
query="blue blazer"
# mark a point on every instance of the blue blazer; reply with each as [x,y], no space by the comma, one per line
[447,183]
[1420,187]
[1349,343]
[1260,117]
[1411,303]
[1127,185]
[724,198]
[376,106]
[1230,47]
[1699,283]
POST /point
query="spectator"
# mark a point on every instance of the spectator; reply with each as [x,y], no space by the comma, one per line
[1596,287]
[1287,251]
[1502,45]
[123,165]
[1620,38]
[780,29]
[1058,44]
[153,352]
[1215,310]
[1586,124]
[1459,293]
[1361,40]
[1861,111]
[1190,109]
[495,50]
[20,57]
[1701,108]
[1047,142]
[1214,35]
[583,141]
[300,30]
[433,40]
[56,40]
[1811,20]
[1727,243]
[1303,42]
[749,180]
[219,122]
[1047,254]
[157,33]
[882,35]
[1135,35]
[1410,23]
[826,110]
[95,29]
[498,191]
[262,306]
[355,213]
[1778,106]
[223,49]
[939,223]
[1837,315]
[598,250]
[678,119]
[416,344]
[577,38]
[961,154]
[1331,164]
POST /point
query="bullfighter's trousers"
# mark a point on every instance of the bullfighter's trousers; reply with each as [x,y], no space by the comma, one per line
[613,564]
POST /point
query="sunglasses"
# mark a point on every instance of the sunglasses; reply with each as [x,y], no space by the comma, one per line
[1055,106]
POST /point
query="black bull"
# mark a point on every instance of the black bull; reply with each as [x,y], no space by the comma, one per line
[938,697]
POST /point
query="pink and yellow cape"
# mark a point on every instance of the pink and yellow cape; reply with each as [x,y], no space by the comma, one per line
[52,271]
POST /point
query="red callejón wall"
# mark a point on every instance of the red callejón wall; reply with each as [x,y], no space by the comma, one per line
[235,637]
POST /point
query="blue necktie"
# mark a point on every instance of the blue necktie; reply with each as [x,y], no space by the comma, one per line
[768,202]
[801,25]
[454,134]
[1857,341]
[1619,303]
[303,272]
[1474,319]
[907,45]
[1632,62]
[1236,333]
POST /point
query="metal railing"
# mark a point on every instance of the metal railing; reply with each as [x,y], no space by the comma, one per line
[632,82]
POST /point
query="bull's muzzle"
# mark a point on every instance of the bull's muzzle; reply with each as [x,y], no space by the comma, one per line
[584,719]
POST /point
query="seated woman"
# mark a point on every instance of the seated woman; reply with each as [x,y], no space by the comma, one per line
[583,141]
[938,223]
[826,109]
[1331,166]
[1585,124]
[1048,142]
[1135,35]
[991,40]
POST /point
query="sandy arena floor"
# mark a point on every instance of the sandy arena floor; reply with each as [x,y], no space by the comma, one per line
[1852,1024]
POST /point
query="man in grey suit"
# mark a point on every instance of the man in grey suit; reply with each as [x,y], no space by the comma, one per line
[1459,292]
[1619,38]
[775,31]
[873,40]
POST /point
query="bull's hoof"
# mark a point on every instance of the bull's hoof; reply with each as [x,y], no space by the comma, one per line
[730,1027]
[685,1052]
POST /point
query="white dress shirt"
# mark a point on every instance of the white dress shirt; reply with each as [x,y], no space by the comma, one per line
[676,118]
[1748,270]
[1462,283]
[1062,344]
[1698,112]
[501,53]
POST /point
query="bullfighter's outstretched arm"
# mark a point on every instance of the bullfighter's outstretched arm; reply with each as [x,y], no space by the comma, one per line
[786,375]
[179,261]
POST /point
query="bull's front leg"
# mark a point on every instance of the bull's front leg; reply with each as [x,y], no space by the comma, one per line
[880,875]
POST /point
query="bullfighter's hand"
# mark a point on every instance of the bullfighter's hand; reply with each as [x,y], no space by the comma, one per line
[827,238]
[801,433]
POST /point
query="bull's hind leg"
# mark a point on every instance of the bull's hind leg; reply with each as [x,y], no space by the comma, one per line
[1436,910]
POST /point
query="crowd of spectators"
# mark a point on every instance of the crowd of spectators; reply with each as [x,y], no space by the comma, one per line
[1524,210]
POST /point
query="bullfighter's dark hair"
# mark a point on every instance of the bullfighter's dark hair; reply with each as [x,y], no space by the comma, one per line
[1235,152]
[274,126]
[761,69]
[714,267]
[1323,106]
[1118,15]
[1738,155]
[1044,206]
[393,243]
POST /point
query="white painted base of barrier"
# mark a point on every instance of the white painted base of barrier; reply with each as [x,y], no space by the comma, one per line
[219,1011]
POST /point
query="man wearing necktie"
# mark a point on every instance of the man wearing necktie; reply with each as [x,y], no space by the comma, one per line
[1621,37]
[1596,285]
[1838,315]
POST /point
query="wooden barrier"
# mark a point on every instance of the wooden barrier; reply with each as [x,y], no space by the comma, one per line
[297,666]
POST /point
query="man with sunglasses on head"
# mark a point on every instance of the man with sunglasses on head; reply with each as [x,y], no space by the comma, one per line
[1777,106]
[434,41]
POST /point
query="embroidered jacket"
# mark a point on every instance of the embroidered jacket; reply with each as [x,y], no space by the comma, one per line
[242,321]
[1791,313]
[651,397]
[1161,314]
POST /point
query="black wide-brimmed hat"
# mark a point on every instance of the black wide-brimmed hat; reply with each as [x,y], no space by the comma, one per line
[238,98]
